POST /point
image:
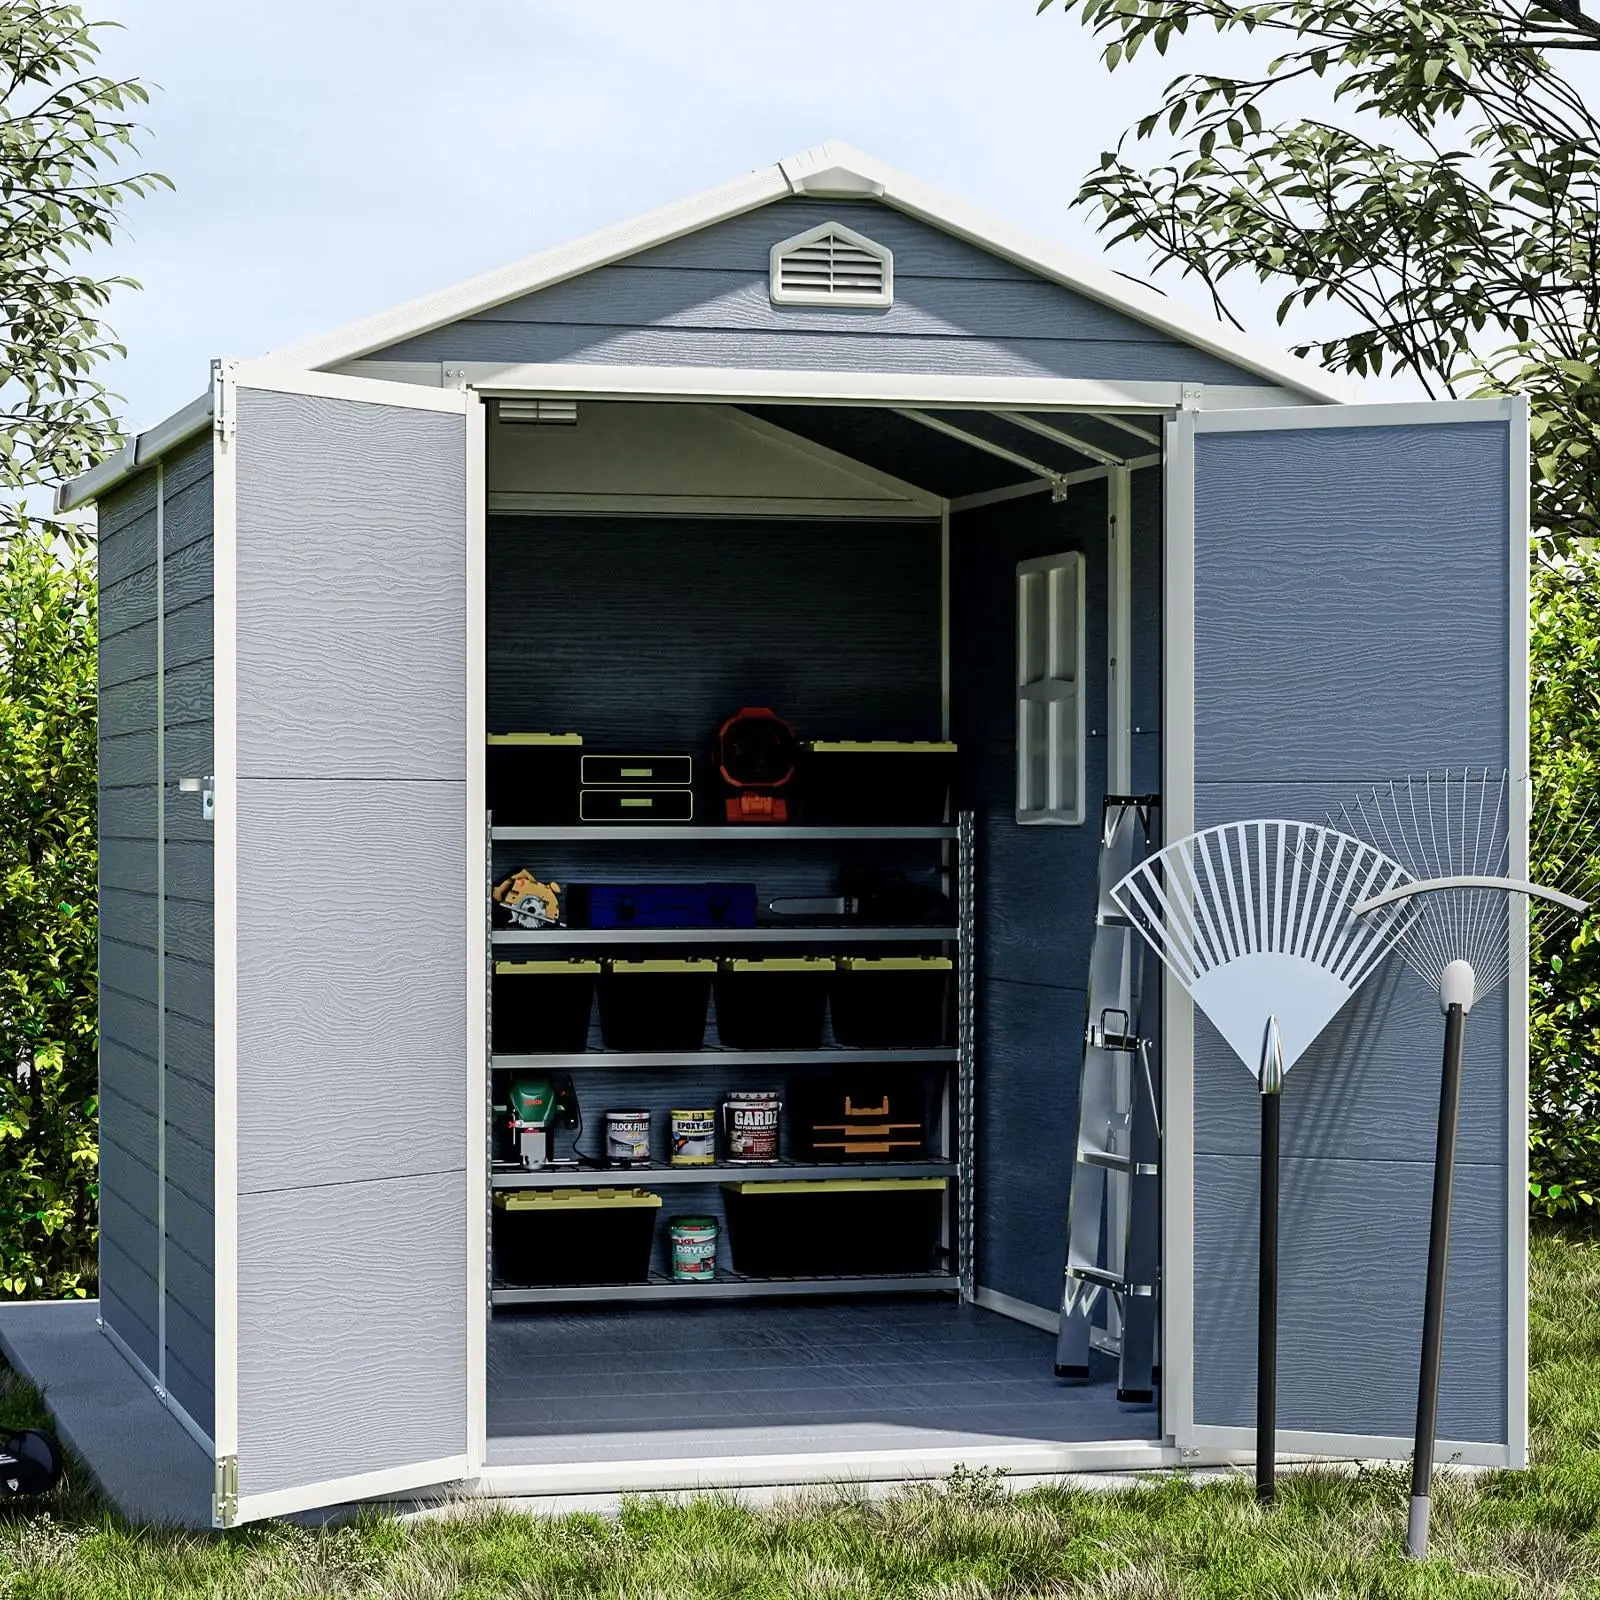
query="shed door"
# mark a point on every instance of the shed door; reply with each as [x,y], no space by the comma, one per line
[350,1065]
[1347,604]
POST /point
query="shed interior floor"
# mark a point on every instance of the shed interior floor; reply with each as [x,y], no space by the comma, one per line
[640,1383]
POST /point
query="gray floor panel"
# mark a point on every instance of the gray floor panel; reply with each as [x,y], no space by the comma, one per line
[661,1383]
[144,1462]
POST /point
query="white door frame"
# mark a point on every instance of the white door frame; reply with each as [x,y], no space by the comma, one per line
[1178,817]
[228,1506]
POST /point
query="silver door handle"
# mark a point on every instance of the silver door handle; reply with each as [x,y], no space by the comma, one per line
[206,789]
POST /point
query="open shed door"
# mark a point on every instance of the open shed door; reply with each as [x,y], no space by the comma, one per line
[1346,605]
[350,936]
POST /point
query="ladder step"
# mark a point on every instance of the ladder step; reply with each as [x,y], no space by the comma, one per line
[1106,1159]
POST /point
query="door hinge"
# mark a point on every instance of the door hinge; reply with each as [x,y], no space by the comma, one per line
[222,393]
[225,1493]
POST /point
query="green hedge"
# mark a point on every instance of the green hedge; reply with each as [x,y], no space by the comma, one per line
[48,1113]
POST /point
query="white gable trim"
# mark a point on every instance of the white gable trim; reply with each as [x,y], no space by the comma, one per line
[831,171]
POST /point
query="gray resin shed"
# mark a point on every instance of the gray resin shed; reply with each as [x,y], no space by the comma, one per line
[821,415]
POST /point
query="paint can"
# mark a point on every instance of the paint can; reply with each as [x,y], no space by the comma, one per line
[693,1241]
[694,1138]
[750,1126]
[628,1138]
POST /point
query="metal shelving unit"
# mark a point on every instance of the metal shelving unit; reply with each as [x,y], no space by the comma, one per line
[687,833]
[656,1177]
[725,1286]
[837,933]
[957,1149]
[839,1056]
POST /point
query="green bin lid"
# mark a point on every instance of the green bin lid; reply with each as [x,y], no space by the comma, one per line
[574,1199]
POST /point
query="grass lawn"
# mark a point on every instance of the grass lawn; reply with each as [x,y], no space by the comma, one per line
[1534,1534]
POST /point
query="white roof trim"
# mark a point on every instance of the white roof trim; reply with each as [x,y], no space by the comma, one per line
[830,171]
[138,452]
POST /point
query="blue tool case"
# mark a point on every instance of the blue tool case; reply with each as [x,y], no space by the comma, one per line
[663,905]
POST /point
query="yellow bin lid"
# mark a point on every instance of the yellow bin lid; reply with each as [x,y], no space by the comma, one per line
[573,965]
[877,747]
[685,964]
[573,1199]
[837,1185]
[780,964]
[896,963]
[535,738]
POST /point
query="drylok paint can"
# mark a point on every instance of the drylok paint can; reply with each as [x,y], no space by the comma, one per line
[694,1249]
[628,1137]
[750,1126]
[694,1138]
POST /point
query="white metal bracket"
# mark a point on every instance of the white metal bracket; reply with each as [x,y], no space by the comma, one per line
[206,789]
[1191,397]
[225,1492]
[453,378]
[222,391]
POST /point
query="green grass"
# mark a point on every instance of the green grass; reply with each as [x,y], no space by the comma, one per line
[1533,1534]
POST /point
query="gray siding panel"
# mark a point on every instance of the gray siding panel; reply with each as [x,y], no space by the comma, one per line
[187,584]
[1351,626]
[312,1009]
[352,755]
[129,1253]
[352,1347]
[845,350]
[350,625]
[1353,1240]
[703,301]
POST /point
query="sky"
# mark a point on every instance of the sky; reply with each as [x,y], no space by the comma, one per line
[335,157]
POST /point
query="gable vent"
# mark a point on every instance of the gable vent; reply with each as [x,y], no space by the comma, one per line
[832,266]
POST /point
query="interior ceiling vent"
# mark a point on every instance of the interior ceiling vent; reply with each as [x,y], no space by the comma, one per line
[832,266]
[541,413]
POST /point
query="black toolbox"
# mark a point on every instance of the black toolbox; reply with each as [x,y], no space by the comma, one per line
[891,1002]
[837,1116]
[877,783]
[773,1004]
[636,805]
[635,772]
[655,1005]
[533,778]
[542,1007]
[834,1227]
[549,1237]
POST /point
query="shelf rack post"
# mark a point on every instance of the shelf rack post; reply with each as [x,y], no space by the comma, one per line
[966,1094]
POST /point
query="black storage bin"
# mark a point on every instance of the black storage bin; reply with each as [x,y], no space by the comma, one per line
[662,905]
[836,1116]
[636,805]
[891,1002]
[655,1005]
[834,1227]
[548,1237]
[877,783]
[776,1004]
[533,779]
[542,1007]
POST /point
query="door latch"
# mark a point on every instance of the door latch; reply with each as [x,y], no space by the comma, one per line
[206,789]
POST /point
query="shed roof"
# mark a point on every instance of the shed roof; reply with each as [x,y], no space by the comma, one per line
[830,171]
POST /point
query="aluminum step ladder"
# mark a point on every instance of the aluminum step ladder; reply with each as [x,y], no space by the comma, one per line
[1109,1290]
